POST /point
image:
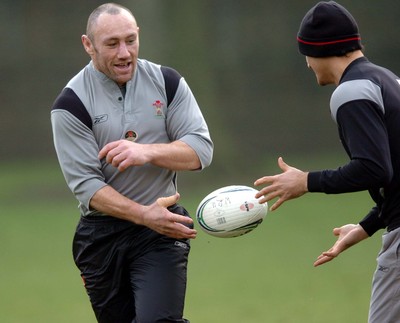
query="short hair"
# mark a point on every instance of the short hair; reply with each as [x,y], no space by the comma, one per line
[109,8]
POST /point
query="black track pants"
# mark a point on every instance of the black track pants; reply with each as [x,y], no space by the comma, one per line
[131,273]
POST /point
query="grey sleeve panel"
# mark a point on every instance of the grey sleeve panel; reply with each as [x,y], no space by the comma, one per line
[186,123]
[355,90]
[77,152]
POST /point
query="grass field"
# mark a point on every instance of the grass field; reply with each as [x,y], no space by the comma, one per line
[263,277]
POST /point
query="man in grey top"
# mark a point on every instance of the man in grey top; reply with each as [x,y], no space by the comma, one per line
[122,128]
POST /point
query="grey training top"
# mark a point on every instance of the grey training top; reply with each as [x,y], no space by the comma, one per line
[91,111]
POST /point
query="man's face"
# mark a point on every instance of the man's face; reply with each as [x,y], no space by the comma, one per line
[114,46]
[321,69]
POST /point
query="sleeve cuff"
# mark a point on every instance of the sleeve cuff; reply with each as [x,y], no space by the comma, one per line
[314,182]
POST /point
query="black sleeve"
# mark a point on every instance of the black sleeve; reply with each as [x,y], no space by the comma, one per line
[372,222]
[364,137]
[171,79]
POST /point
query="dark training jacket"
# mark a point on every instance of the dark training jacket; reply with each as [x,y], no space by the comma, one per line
[366,108]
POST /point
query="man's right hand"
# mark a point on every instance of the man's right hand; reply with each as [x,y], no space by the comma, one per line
[158,218]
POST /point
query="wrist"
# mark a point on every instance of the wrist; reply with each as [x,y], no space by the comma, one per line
[305,182]
[137,213]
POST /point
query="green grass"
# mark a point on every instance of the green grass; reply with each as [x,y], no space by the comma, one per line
[265,276]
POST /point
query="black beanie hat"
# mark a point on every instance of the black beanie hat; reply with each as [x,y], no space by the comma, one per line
[328,29]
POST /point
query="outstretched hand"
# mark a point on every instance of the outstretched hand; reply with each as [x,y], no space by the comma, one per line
[291,183]
[348,235]
[158,218]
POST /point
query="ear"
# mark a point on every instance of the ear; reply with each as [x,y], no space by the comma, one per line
[87,44]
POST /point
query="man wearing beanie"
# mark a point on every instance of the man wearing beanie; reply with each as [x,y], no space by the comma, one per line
[366,108]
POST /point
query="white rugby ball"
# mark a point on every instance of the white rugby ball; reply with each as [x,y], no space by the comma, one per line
[230,211]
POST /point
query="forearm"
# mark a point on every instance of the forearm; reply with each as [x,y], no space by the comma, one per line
[356,175]
[156,216]
[175,156]
[108,201]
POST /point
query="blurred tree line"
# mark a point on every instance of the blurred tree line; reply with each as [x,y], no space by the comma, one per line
[239,57]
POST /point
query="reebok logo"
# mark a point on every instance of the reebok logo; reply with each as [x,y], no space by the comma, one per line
[383,269]
[100,119]
[181,244]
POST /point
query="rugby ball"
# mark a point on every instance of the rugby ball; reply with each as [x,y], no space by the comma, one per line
[230,211]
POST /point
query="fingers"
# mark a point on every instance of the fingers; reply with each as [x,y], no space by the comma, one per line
[173,225]
[267,192]
[178,231]
[277,186]
[267,198]
[116,153]
[326,256]
[336,231]
[282,165]
[113,155]
[106,149]
[277,204]
[118,160]
[270,179]
[176,226]
[169,200]
[124,154]
[263,180]
[177,218]
[323,259]
[340,245]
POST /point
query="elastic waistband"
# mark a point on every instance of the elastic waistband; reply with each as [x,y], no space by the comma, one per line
[393,227]
[175,208]
[101,219]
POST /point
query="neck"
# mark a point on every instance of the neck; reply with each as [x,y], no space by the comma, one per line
[342,62]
